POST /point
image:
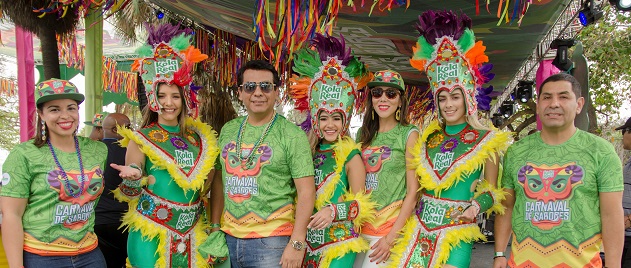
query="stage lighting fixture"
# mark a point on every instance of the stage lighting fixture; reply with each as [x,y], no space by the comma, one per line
[561,60]
[524,91]
[622,5]
[589,14]
[497,120]
[507,109]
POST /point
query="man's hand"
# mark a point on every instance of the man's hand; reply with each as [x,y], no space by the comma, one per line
[292,258]
[500,262]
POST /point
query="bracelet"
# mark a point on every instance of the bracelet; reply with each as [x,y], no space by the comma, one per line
[333,210]
[215,225]
[475,204]
[499,254]
[134,166]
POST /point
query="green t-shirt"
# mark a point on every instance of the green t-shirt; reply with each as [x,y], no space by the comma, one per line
[259,195]
[386,169]
[54,222]
[557,194]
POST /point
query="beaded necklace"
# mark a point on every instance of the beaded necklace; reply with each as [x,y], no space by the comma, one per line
[63,173]
[245,159]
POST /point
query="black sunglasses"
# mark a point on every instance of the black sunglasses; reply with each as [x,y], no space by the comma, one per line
[378,92]
[250,87]
[624,130]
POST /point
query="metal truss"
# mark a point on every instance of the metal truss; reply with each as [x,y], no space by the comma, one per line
[566,26]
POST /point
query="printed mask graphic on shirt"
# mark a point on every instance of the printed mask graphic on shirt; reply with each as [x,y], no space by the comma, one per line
[73,212]
[548,189]
[373,158]
[241,182]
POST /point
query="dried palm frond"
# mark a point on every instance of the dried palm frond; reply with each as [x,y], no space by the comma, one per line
[130,18]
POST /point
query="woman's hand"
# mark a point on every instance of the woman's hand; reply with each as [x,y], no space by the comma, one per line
[381,249]
[469,214]
[321,219]
[127,172]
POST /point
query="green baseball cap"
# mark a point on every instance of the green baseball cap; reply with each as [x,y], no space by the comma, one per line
[56,89]
[97,120]
[387,78]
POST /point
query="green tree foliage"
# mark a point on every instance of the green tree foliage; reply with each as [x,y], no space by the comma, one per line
[607,47]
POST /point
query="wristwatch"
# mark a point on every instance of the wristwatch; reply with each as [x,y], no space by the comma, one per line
[298,245]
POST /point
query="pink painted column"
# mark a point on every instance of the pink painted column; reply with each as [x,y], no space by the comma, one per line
[545,70]
[26,82]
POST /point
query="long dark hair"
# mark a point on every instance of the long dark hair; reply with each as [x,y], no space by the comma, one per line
[149,117]
[370,126]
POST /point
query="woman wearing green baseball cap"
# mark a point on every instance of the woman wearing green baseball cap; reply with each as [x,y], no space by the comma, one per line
[386,138]
[51,185]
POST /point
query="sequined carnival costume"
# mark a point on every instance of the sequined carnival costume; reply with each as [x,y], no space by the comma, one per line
[449,159]
[329,78]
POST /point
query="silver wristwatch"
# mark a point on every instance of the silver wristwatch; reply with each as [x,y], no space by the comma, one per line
[298,245]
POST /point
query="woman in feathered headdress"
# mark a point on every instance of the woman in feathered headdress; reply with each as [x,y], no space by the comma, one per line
[168,160]
[326,91]
[453,151]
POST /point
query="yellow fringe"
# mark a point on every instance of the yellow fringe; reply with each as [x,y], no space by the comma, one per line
[125,198]
[366,208]
[342,248]
[207,135]
[495,146]
[134,221]
[467,234]
[405,237]
[498,196]
[342,148]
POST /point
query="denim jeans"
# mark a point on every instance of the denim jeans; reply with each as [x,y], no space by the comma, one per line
[256,252]
[92,259]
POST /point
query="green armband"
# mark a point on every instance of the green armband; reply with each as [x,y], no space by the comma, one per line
[484,201]
[346,211]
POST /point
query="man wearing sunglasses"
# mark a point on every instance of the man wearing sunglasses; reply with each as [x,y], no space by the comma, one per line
[626,199]
[109,212]
[267,175]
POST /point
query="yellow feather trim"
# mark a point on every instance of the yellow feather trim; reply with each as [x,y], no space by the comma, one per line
[495,144]
[149,230]
[498,196]
[400,246]
[452,238]
[207,135]
[366,208]
[342,148]
[125,198]
[340,249]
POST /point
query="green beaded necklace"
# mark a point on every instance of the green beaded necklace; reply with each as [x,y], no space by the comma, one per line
[248,157]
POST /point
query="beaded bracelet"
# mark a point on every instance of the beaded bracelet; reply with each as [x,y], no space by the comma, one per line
[135,166]
[475,204]
[333,210]
[215,225]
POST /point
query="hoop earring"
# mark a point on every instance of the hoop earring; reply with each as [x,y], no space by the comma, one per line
[43,131]
[397,115]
